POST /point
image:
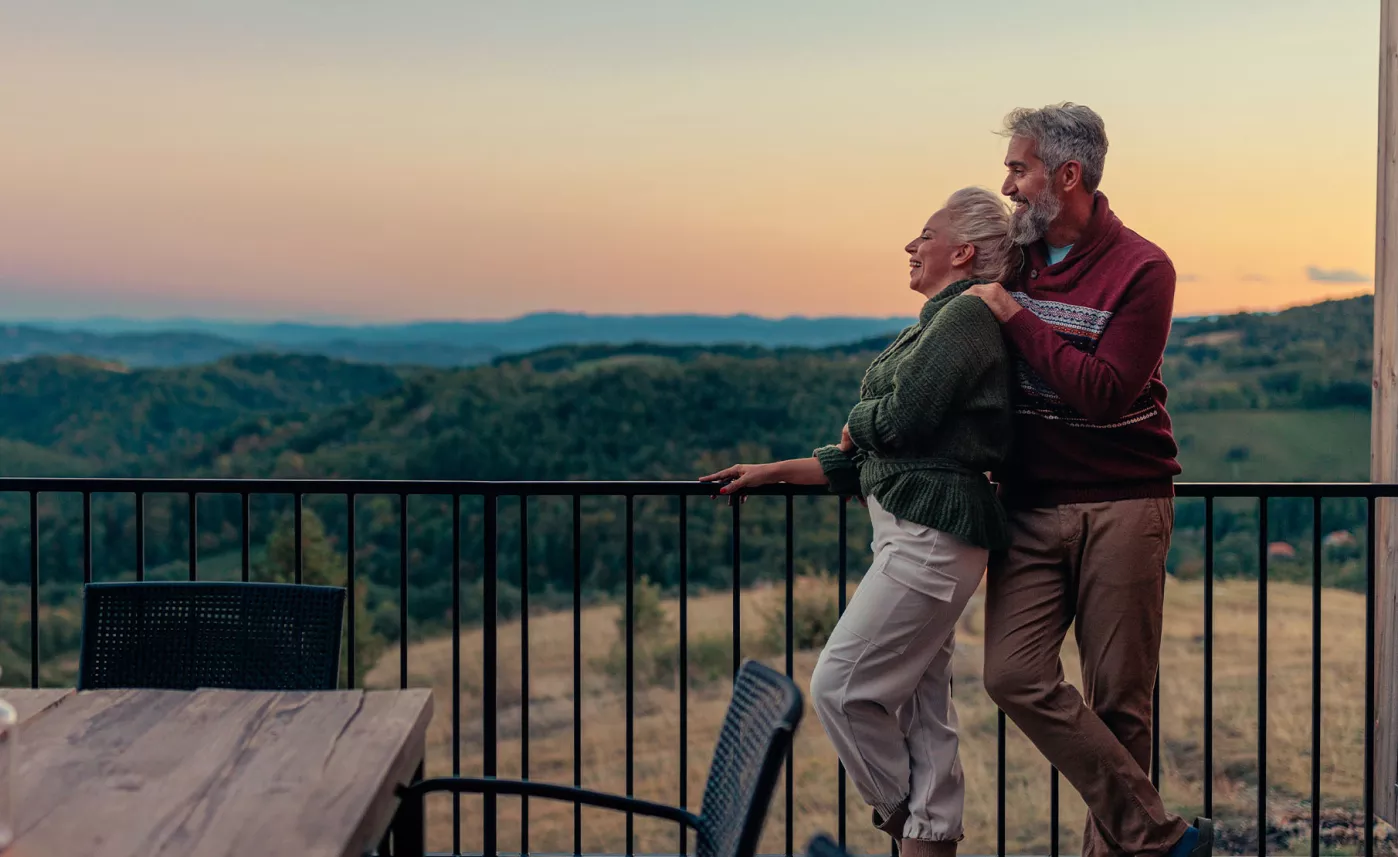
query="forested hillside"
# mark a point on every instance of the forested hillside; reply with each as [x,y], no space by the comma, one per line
[1255,397]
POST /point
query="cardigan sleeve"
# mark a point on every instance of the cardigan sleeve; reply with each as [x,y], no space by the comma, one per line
[949,355]
[841,469]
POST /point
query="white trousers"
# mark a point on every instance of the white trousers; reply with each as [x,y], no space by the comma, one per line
[882,686]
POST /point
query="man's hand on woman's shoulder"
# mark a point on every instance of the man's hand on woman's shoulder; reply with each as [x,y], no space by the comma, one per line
[1002,306]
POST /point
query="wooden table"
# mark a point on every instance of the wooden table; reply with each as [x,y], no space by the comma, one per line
[118,773]
[30,702]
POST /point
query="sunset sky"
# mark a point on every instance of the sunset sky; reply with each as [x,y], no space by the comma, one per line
[380,161]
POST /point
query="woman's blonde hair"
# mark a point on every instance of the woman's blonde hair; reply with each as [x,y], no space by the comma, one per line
[982,220]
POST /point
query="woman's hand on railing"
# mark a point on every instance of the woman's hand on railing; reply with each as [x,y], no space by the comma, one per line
[741,476]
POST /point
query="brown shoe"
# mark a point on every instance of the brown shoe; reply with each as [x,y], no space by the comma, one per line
[927,848]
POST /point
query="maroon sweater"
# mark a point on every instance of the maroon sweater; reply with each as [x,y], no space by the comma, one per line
[1090,419]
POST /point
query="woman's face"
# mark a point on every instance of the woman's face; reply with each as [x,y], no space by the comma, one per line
[934,255]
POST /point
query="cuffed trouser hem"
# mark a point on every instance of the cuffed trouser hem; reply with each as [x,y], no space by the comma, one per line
[927,848]
[891,817]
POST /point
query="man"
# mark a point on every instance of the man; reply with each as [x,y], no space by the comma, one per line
[1089,486]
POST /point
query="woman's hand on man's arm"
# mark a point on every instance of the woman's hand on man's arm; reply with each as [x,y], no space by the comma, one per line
[846,442]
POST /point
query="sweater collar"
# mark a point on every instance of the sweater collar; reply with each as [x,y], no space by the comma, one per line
[944,297]
[1101,232]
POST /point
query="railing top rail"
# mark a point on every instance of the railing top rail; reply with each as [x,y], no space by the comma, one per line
[198,485]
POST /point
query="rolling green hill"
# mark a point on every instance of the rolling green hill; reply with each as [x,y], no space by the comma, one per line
[1324,445]
[661,412]
[107,413]
[1315,356]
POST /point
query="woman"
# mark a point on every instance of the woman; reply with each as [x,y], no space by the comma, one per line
[933,418]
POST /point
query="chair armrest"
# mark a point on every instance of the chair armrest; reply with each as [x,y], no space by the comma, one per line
[550,791]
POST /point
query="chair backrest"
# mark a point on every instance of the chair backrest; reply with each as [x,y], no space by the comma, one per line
[182,636]
[752,746]
[821,845]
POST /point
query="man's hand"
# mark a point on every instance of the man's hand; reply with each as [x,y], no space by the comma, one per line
[846,442]
[1002,306]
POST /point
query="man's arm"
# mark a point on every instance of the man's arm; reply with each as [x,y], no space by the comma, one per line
[1103,386]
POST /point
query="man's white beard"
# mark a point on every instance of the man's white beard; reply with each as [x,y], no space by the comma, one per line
[1033,222]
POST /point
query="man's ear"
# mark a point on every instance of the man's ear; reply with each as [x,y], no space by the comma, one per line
[1070,175]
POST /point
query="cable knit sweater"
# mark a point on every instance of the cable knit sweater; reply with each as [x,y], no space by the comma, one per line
[933,417]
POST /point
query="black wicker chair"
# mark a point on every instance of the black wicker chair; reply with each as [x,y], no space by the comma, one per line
[752,746]
[182,636]
[823,846]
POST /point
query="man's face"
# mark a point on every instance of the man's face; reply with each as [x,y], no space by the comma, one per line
[1032,190]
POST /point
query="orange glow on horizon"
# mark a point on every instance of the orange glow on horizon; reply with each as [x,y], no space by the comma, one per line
[363,164]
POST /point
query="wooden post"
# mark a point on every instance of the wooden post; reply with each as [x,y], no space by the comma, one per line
[1383,457]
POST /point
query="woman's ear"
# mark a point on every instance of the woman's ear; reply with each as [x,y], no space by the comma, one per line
[962,255]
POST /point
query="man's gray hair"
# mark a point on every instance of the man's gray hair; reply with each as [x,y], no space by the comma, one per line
[1064,132]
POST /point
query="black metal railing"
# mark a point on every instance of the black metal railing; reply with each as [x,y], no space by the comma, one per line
[493,494]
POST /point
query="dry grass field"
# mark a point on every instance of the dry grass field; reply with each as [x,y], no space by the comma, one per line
[1027,783]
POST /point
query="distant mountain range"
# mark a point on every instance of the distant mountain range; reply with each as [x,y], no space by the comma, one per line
[185,347]
[176,342]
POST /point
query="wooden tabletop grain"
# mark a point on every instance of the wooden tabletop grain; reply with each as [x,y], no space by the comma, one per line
[27,703]
[119,773]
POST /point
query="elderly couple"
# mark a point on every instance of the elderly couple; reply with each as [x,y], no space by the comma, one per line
[1036,358]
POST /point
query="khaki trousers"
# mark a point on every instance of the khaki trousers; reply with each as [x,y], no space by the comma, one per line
[882,686]
[1099,567]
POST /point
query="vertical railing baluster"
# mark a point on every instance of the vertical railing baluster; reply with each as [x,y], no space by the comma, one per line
[577,671]
[349,589]
[524,667]
[737,504]
[842,583]
[1262,679]
[140,535]
[87,537]
[684,668]
[1371,549]
[246,512]
[456,668]
[489,610]
[630,669]
[402,590]
[297,536]
[790,668]
[1000,783]
[1209,656]
[193,536]
[33,588]
[1316,547]
[1155,732]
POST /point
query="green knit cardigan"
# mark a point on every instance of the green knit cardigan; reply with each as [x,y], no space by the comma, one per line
[933,418]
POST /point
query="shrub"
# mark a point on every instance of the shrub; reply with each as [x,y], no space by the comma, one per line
[654,654]
[815,611]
